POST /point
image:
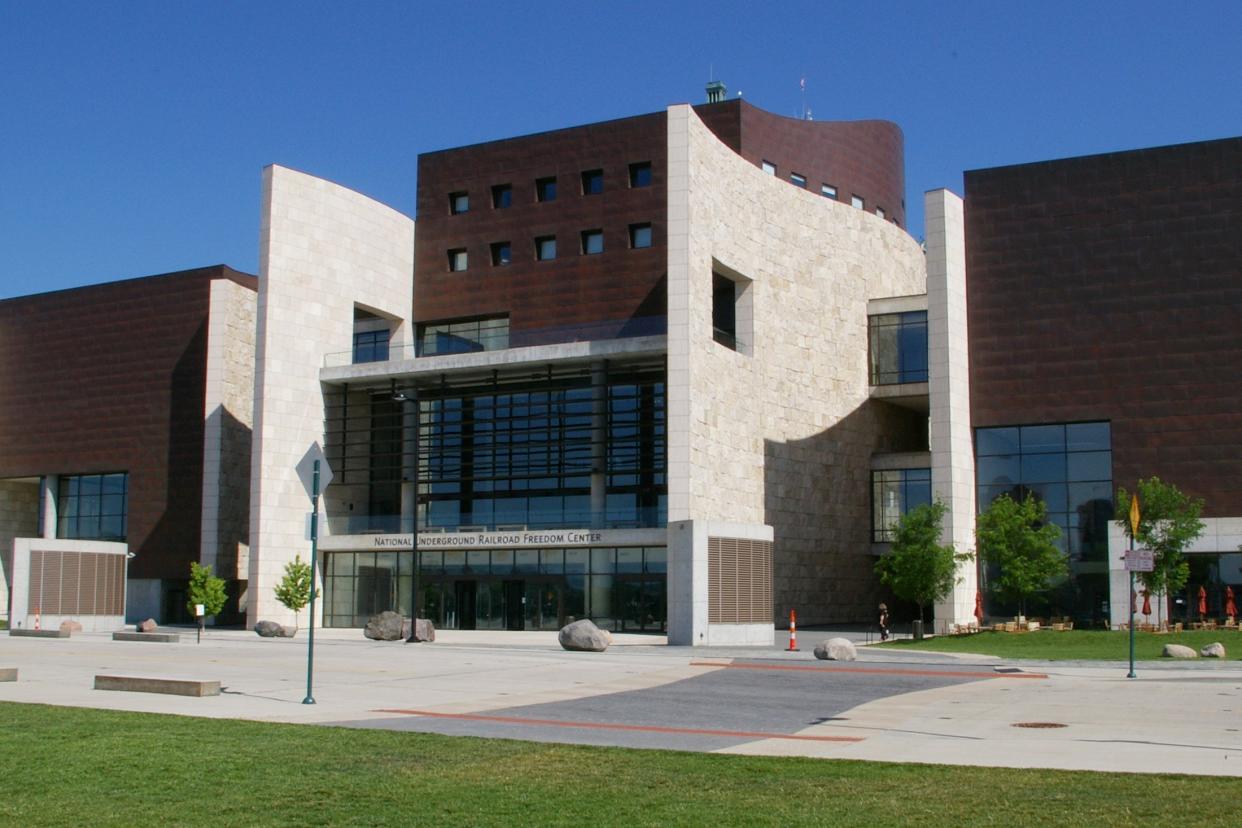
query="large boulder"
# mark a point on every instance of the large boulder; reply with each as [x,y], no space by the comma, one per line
[1213,650]
[146,626]
[287,632]
[584,636]
[1178,651]
[70,626]
[267,629]
[386,626]
[836,649]
[424,630]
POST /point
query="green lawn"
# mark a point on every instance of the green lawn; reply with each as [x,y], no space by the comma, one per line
[70,766]
[1091,645]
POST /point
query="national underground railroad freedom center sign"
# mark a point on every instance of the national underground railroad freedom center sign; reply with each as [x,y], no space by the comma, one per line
[512,539]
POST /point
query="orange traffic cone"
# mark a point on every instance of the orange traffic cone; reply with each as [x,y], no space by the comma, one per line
[793,632]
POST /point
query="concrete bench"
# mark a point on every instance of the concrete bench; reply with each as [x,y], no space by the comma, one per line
[29,633]
[170,687]
[8,674]
[165,638]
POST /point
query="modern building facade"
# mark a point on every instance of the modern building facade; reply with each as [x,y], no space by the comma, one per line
[1105,295]
[125,422]
[681,373]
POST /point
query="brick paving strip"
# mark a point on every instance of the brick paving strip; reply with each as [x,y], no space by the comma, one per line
[690,731]
[881,670]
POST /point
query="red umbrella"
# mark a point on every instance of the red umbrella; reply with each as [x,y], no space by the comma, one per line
[1231,609]
[979,606]
[1202,602]
[1146,602]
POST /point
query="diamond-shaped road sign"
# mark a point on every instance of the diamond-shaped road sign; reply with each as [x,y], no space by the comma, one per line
[306,469]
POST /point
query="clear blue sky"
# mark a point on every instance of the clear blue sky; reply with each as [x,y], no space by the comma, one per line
[132,134]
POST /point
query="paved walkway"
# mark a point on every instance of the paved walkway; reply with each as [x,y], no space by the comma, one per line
[1175,717]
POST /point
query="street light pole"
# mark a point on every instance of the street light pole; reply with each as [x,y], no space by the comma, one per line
[401,397]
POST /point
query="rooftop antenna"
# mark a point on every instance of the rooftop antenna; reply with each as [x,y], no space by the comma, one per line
[806,113]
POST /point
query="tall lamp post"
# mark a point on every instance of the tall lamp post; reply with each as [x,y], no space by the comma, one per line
[412,399]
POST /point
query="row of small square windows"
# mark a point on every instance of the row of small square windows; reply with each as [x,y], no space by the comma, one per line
[545,188]
[826,190]
[592,242]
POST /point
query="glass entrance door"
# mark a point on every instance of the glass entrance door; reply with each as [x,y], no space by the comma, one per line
[642,603]
[515,597]
[543,605]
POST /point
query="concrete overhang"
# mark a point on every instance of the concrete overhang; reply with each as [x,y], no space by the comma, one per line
[567,353]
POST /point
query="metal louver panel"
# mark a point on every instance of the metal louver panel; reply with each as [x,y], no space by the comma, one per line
[739,577]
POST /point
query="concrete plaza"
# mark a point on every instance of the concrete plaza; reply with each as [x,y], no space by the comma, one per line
[910,707]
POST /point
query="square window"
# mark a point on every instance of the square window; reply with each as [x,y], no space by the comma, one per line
[828,191]
[640,174]
[798,180]
[545,189]
[459,203]
[592,242]
[769,167]
[640,235]
[879,211]
[545,248]
[500,254]
[457,259]
[592,182]
[857,201]
[502,196]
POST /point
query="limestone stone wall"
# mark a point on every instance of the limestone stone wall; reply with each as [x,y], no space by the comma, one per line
[324,249]
[229,415]
[780,431]
[19,518]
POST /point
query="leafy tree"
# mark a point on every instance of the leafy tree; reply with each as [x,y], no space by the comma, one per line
[918,568]
[1018,540]
[1168,524]
[205,589]
[294,589]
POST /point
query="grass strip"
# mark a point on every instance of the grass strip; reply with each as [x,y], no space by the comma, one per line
[74,766]
[1075,645]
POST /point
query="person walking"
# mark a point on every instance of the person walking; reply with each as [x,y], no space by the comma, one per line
[883,622]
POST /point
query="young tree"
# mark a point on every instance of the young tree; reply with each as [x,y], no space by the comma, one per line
[918,568]
[1168,524]
[205,589]
[294,589]
[1017,539]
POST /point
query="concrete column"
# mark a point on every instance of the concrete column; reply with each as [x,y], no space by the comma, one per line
[48,487]
[948,369]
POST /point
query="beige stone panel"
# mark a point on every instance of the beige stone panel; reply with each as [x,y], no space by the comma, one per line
[323,249]
[780,432]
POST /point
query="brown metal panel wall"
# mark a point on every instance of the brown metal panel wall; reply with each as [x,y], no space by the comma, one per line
[111,378]
[739,578]
[573,296]
[866,158]
[1110,288]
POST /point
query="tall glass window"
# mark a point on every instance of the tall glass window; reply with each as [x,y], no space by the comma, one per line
[92,506]
[497,457]
[898,347]
[893,493]
[1069,467]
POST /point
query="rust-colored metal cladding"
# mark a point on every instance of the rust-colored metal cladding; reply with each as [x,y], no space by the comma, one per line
[111,378]
[1107,288]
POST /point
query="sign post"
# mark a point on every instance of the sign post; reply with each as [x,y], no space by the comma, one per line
[314,471]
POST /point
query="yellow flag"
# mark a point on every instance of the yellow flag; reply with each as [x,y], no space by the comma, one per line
[1134,515]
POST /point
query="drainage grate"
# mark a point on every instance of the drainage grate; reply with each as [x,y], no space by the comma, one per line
[1038,724]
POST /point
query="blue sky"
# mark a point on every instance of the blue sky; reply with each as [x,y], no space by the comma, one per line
[132,134]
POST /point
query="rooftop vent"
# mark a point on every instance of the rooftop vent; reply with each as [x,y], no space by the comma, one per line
[716,91]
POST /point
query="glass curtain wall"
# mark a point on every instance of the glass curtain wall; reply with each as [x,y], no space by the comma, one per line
[619,588]
[1069,467]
